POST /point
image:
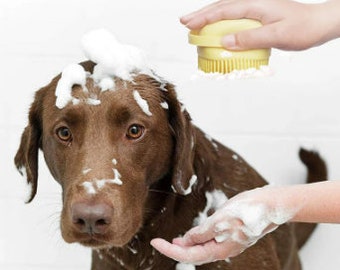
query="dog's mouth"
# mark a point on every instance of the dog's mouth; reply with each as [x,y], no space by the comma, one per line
[94,242]
[99,241]
[106,240]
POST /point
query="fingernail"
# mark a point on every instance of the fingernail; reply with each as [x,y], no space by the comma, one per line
[229,41]
[184,18]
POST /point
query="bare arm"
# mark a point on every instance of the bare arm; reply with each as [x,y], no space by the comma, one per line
[249,216]
[318,202]
[287,24]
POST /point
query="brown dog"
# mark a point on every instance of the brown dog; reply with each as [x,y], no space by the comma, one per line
[128,175]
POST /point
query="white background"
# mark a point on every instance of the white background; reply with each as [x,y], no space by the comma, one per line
[265,120]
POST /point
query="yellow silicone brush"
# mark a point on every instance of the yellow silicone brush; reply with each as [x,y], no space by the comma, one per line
[212,57]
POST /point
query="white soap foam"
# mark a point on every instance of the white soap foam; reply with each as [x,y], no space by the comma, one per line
[28,188]
[192,181]
[263,71]
[235,157]
[113,59]
[185,266]
[101,183]
[211,141]
[71,75]
[86,171]
[107,83]
[165,105]
[93,101]
[143,104]
[117,180]
[89,187]
[215,199]
[75,101]
[257,220]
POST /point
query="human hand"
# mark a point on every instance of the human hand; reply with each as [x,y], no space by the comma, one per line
[287,25]
[237,225]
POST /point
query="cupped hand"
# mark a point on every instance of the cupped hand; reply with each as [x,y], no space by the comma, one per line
[234,227]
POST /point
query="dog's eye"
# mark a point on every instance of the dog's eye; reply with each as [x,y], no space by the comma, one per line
[134,132]
[64,134]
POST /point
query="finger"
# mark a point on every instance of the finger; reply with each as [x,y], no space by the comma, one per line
[166,248]
[225,10]
[263,37]
[186,18]
[179,241]
[199,235]
[195,254]
[178,253]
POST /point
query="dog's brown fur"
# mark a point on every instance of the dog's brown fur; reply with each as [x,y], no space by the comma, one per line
[155,170]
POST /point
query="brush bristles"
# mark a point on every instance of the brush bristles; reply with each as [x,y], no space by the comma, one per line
[228,65]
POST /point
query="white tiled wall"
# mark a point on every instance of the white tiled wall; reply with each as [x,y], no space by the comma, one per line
[266,120]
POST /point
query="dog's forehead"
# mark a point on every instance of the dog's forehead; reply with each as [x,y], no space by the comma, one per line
[142,92]
[142,95]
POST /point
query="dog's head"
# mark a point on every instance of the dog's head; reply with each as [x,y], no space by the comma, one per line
[106,150]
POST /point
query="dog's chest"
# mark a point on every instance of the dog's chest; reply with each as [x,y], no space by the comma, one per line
[131,259]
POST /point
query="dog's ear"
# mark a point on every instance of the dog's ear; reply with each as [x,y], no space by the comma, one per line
[26,159]
[180,123]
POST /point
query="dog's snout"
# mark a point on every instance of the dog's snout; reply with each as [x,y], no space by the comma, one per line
[91,218]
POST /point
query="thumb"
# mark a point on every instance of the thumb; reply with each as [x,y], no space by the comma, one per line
[259,38]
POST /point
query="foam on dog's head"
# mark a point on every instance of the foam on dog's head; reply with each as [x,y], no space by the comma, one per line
[113,60]
[71,75]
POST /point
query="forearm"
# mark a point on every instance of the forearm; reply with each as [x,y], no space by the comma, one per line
[331,15]
[317,203]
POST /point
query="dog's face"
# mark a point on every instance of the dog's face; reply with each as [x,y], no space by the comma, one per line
[106,156]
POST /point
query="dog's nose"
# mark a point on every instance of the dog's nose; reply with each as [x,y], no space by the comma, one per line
[91,218]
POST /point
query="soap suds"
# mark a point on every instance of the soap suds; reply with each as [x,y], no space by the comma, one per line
[113,58]
[192,181]
[75,101]
[28,187]
[89,188]
[117,179]
[185,266]
[101,183]
[71,75]
[211,141]
[215,199]
[143,104]
[100,255]
[93,101]
[86,171]
[164,105]
[235,157]
[107,83]
[226,54]
[245,221]
[263,71]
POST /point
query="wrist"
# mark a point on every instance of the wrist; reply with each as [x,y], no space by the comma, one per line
[327,16]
